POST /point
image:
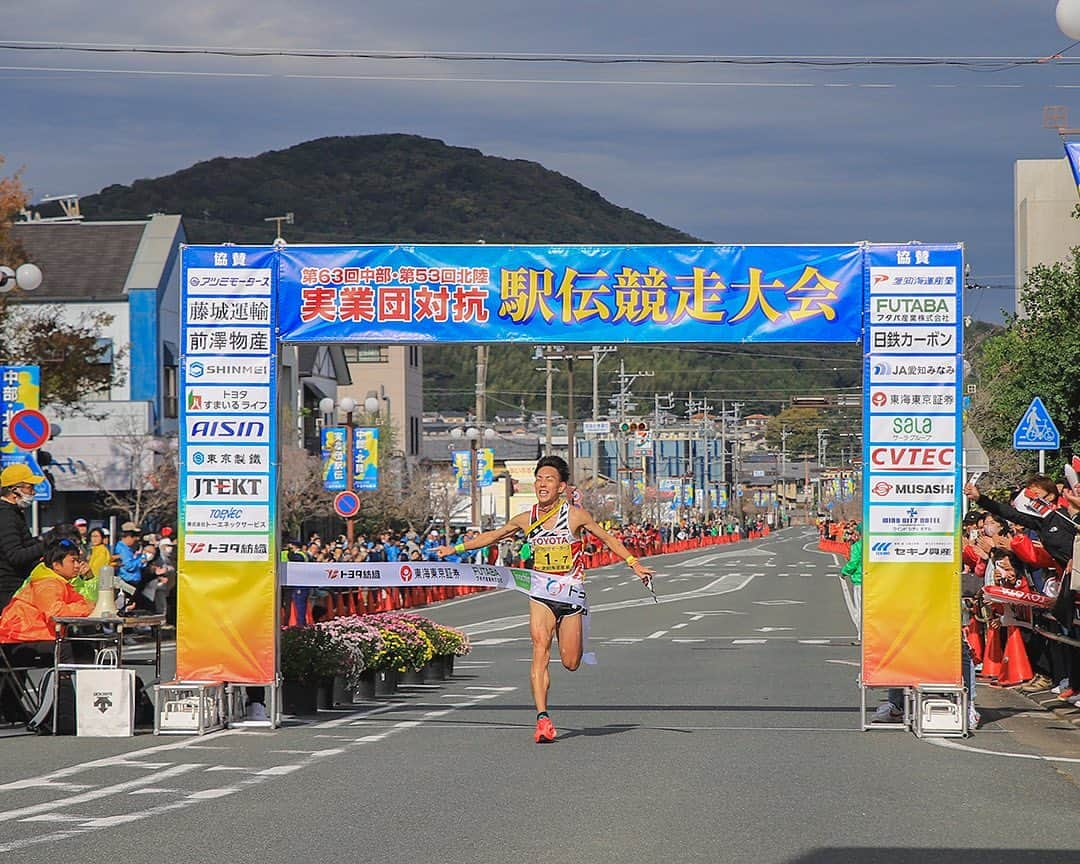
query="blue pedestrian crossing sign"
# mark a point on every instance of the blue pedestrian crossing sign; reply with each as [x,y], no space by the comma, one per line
[1036,431]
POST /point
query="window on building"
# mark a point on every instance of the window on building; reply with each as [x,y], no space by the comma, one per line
[170,380]
[104,360]
[366,354]
[414,436]
[172,392]
[414,356]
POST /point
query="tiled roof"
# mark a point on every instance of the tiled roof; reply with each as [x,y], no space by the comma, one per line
[80,260]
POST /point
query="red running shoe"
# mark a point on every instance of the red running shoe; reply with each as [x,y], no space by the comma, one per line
[545,731]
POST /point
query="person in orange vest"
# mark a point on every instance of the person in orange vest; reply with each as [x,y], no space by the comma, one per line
[26,624]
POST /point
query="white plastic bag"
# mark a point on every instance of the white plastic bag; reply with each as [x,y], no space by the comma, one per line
[105,702]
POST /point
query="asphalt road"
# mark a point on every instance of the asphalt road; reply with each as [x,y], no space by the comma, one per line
[719,725]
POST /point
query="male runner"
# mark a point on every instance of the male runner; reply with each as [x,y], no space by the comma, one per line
[553,529]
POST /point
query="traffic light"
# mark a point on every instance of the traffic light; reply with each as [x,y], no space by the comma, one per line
[633,428]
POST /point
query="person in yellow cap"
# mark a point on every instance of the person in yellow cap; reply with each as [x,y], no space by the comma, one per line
[20,551]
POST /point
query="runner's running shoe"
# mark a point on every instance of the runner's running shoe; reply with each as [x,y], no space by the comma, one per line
[545,731]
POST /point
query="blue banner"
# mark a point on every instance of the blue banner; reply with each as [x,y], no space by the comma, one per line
[1072,153]
[365,458]
[570,293]
[335,464]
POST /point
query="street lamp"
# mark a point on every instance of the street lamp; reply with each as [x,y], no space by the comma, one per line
[347,404]
[474,436]
[26,277]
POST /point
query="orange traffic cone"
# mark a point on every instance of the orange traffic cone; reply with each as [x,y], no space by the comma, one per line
[1015,666]
[973,636]
[292,612]
[993,653]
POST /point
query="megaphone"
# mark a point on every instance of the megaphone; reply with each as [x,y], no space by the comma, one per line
[106,597]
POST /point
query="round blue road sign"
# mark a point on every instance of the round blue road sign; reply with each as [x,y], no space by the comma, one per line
[346,504]
[28,429]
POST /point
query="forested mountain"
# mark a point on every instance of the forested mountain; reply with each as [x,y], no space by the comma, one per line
[403,188]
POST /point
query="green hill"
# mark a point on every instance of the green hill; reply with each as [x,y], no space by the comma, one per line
[403,188]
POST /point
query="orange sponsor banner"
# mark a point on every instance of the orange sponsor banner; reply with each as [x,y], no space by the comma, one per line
[225,622]
[911,624]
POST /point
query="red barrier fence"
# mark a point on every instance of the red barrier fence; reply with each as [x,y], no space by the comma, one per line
[837,546]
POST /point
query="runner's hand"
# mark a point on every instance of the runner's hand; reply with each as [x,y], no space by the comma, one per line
[643,573]
[443,551]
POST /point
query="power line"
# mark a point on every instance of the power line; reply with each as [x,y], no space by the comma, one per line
[825,61]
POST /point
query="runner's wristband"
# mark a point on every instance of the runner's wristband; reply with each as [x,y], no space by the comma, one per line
[459,548]
[630,560]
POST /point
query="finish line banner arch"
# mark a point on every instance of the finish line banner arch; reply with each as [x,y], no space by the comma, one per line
[239,303]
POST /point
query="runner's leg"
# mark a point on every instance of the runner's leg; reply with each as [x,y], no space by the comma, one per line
[570,641]
[542,631]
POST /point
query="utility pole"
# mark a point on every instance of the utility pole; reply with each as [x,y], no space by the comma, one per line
[547,404]
[481,383]
[623,402]
[598,354]
[736,458]
[782,502]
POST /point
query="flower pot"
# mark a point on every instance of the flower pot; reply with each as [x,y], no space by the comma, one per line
[340,693]
[385,682]
[366,691]
[325,698]
[411,676]
[300,697]
[435,668]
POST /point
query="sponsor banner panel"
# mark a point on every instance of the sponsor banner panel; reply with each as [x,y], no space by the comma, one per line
[229,370]
[223,342]
[226,547]
[905,549]
[227,517]
[912,458]
[237,459]
[923,370]
[931,489]
[914,340]
[937,428]
[227,594]
[225,429]
[912,400]
[206,310]
[912,310]
[913,280]
[911,451]
[913,519]
[228,282]
[227,488]
[238,398]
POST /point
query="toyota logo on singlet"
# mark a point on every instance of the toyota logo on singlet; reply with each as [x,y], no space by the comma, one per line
[554,587]
[406,573]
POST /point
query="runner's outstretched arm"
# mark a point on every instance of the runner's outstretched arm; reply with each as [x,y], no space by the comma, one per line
[581,518]
[488,537]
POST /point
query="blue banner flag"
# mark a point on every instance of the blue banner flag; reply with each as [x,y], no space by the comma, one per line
[570,293]
[1072,153]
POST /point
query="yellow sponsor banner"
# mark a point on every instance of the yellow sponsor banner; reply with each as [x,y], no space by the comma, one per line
[226,622]
[911,623]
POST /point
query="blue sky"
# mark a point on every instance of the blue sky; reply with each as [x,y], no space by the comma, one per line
[729,153]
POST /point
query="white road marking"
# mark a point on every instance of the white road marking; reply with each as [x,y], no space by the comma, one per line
[687,640]
[779,602]
[1038,757]
[610,588]
[855,663]
[697,617]
[95,794]
[679,626]
[657,634]
[749,641]
[496,689]
[771,629]
[813,641]
[278,770]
